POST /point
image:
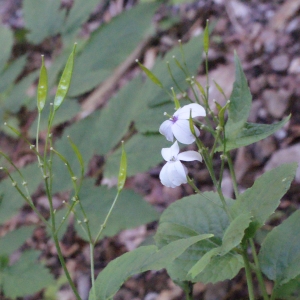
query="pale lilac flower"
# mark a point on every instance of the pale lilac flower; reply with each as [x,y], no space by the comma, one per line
[178,125]
[174,172]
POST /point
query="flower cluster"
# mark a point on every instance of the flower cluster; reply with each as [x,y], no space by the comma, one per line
[174,173]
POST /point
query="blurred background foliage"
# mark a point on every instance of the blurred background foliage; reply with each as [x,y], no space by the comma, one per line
[105,76]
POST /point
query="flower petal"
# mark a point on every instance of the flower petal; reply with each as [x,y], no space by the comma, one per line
[166,153]
[174,149]
[177,173]
[182,132]
[189,156]
[164,176]
[166,130]
[183,113]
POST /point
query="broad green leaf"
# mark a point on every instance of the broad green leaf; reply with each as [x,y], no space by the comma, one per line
[264,196]
[18,96]
[102,53]
[289,290]
[26,276]
[97,200]
[240,103]
[279,256]
[13,240]
[194,215]
[65,81]
[11,73]
[123,170]
[252,133]
[203,262]
[42,18]
[233,236]
[137,261]
[42,89]
[79,13]
[235,232]
[6,42]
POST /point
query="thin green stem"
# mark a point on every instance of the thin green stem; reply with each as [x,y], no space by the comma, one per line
[92,269]
[221,171]
[189,291]
[248,274]
[63,263]
[107,217]
[209,166]
[215,142]
[258,271]
[273,295]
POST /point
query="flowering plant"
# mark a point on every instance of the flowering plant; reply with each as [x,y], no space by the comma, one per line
[205,237]
[208,237]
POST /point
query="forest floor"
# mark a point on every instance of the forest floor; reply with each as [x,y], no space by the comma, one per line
[266,37]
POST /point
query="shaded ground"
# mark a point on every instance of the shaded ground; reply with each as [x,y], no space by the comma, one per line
[265,35]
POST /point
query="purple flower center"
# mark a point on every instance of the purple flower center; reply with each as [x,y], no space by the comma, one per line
[174,119]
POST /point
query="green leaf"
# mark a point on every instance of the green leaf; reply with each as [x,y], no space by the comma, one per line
[13,240]
[240,103]
[194,215]
[18,95]
[65,81]
[232,238]
[97,201]
[42,18]
[79,14]
[137,261]
[264,196]
[110,45]
[279,256]
[26,276]
[6,42]
[252,133]
[42,89]
[123,170]
[11,73]
[289,291]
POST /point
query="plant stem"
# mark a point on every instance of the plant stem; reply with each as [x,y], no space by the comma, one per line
[258,271]
[248,274]
[56,241]
[92,269]
[245,256]
[107,217]
[62,261]
[189,291]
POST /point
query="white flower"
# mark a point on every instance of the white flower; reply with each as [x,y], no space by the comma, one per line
[174,172]
[179,125]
